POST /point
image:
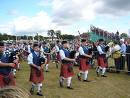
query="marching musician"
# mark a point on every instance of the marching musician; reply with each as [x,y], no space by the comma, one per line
[123,52]
[6,74]
[36,65]
[102,60]
[66,65]
[84,61]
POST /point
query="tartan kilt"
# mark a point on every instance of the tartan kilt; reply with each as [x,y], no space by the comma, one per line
[34,77]
[84,66]
[3,83]
[102,62]
[65,72]
[48,58]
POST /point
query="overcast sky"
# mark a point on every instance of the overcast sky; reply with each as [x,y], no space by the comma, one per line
[22,17]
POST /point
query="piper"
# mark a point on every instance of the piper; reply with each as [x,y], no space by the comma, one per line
[84,60]
[66,66]
[6,74]
[36,61]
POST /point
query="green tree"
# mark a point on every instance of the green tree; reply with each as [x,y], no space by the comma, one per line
[51,33]
[124,35]
[5,36]
[41,38]
[58,34]
[68,37]
[1,37]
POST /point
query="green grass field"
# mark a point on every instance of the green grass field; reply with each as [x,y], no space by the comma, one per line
[114,86]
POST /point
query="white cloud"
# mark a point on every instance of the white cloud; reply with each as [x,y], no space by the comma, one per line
[41,22]
[6,29]
[66,14]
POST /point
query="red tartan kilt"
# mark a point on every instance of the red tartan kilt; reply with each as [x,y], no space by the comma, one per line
[3,84]
[101,62]
[64,71]
[34,78]
[83,64]
[58,57]
[48,58]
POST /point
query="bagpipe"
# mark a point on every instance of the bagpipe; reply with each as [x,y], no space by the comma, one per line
[107,48]
[72,54]
[42,60]
[12,56]
[106,51]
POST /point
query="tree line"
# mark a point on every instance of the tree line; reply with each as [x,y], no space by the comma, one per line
[51,34]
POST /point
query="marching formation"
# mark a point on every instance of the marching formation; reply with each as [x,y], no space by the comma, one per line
[65,55]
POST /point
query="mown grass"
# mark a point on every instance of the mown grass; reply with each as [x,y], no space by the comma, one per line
[114,86]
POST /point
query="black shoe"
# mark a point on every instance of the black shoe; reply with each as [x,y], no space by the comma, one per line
[86,81]
[39,94]
[69,87]
[103,76]
[118,72]
[32,91]
[79,77]
[47,71]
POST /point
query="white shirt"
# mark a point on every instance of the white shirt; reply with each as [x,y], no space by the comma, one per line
[30,58]
[81,51]
[100,50]
[62,54]
[29,50]
[57,48]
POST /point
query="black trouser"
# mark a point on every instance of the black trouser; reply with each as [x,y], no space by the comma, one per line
[117,64]
[122,63]
[128,61]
